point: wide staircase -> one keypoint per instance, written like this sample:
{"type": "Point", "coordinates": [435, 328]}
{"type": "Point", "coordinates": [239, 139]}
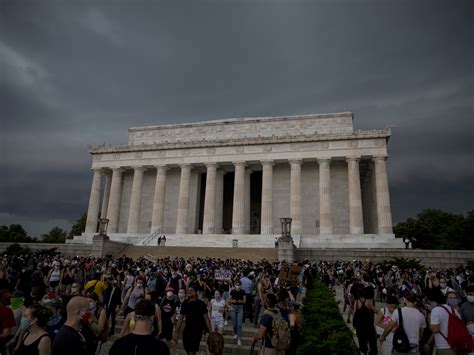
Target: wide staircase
{"type": "Point", "coordinates": [136, 251]}
{"type": "Point", "coordinates": [230, 345]}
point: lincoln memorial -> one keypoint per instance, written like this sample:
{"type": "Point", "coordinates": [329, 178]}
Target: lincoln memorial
{"type": "Point", "coordinates": [228, 182]}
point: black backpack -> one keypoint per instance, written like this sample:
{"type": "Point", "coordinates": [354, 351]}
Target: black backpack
{"type": "Point", "coordinates": [400, 340]}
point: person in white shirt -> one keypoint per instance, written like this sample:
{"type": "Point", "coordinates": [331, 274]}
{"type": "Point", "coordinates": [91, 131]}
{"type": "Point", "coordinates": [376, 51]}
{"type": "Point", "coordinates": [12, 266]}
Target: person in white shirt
{"type": "Point", "coordinates": [413, 323]}
{"type": "Point", "coordinates": [439, 322]}
{"type": "Point", "coordinates": [383, 319]}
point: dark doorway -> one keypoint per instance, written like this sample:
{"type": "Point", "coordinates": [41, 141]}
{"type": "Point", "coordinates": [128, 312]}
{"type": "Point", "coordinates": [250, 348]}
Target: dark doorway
{"type": "Point", "coordinates": [228, 202]}
{"type": "Point", "coordinates": [202, 195]}
{"type": "Point", "coordinates": [255, 201]}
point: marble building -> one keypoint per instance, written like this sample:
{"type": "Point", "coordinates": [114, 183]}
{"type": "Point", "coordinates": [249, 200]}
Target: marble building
{"type": "Point", "coordinates": [227, 182]}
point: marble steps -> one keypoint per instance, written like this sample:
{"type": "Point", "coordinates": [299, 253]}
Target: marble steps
{"type": "Point", "coordinates": [135, 251]}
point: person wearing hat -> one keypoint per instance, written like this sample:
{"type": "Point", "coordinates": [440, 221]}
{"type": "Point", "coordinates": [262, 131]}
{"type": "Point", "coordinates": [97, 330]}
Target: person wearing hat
{"type": "Point", "coordinates": [165, 313]}
{"type": "Point", "coordinates": [140, 341]}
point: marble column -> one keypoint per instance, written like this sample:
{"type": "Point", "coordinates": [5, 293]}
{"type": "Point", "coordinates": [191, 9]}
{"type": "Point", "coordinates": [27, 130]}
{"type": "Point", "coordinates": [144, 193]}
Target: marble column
{"type": "Point", "coordinates": [183, 200]}
{"type": "Point", "coordinates": [356, 221]}
{"type": "Point", "coordinates": [238, 209]}
{"type": "Point", "coordinates": [219, 200]}
{"type": "Point", "coordinates": [94, 200]}
{"type": "Point", "coordinates": [105, 198]}
{"type": "Point", "coordinates": [295, 197]}
{"type": "Point", "coordinates": [157, 218]}
{"type": "Point", "coordinates": [209, 219]}
{"type": "Point", "coordinates": [135, 200]}
{"type": "Point", "coordinates": [325, 209]}
{"type": "Point", "coordinates": [267, 198]}
{"type": "Point", "coordinates": [384, 214]}
{"type": "Point", "coordinates": [247, 220]}
{"type": "Point", "coordinates": [113, 210]}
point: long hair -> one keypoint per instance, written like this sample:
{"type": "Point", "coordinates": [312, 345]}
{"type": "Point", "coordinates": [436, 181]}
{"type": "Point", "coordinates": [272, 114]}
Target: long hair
{"type": "Point", "coordinates": [215, 343]}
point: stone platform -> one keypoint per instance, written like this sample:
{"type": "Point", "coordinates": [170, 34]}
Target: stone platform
{"type": "Point", "coordinates": [340, 241]}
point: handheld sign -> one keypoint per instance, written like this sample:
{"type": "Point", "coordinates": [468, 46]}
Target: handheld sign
{"type": "Point", "coordinates": [289, 275]}
{"type": "Point", "coordinates": [222, 274]}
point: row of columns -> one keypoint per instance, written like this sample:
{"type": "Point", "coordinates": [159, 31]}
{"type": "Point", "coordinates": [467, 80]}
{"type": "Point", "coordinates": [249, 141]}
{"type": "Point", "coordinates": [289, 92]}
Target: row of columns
{"type": "Point", "coordinates": [213, 201]}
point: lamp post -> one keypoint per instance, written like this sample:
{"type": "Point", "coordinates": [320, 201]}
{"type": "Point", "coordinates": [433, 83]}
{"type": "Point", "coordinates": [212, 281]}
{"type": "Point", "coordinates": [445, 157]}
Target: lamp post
{"type": "Point", "coordinates": [286, 229]}
{"type": "Point", "coordinates": [103, 223]}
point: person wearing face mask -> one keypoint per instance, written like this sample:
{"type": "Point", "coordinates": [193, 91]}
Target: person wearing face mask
{"type": "Point", "coordinates": [237, 300]}
{"type": "Point", "coordinates": [36, 340]}
{"type": "Point", "coordinates": [140, 341]}
{"type": "Point", "coordinates": [112, 301]}
{"type": "Point", "coordinates": [132, 294]}
{"type": "Point", "coordinates": [439, 322]}
{"type": "Point", "coordinates": [217, 307]}
{"type": "Point", "coordinates": [94, 326]}
{"type": "Point", "coordinates": [165, 313]}
{"type": "Point", "coordinates": [69, 339]}
{"type": "Point", "coordinates": [195, 318]}
{"type": "Point", "coordinates": [383, 319]}
{"type": "Point", "coordinates": [443, 284]}
{"type": "Point", "coordinates": [467, 309]}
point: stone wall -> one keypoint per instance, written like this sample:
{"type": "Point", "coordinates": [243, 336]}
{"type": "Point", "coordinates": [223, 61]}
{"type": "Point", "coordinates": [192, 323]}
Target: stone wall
{"type": "Point", "coordinates": [433, 258]}
{"type": "Point", "coordinates": [66, 249]}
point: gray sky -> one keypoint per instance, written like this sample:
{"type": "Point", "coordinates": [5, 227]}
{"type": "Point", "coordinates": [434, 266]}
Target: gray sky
{"type": "Point", "coordinates": [78, 73]}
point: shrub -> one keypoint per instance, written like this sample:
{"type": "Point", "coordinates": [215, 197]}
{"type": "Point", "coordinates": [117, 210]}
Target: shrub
{"type": "Point", "coordinates": [405, 263]}
{"type": "Point", "coordinates": [16, 250]}
{"type": "Point", "coordinates": [324, 330]}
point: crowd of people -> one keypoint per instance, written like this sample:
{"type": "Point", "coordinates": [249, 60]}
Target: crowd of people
{"type": "Point", "coordinates": [58, 305]}
{"type": "Point", "coordinates": [433, 307]}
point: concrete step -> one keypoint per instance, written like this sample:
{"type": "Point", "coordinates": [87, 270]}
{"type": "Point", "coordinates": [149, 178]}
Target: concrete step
{"type": "Point", "coordinates": [135, 251]}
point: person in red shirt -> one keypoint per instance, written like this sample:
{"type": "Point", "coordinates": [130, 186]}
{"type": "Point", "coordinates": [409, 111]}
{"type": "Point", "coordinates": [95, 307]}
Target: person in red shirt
{"type": "Point", "coordinates": [7, 320]}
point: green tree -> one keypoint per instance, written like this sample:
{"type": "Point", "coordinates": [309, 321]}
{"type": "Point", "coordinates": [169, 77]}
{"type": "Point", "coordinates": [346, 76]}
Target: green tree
{"type": "Point", "coordinates": [14, 234]}
{"type": "Point", "coordinates": [435, 229]}
{"type": "Point", "coordinates": [78, 227]}
{"type": "Point", "coordinates": [55, 235]}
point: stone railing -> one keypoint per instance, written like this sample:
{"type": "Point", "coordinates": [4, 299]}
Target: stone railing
{"type": "Point", "coordinates": [435, 258]}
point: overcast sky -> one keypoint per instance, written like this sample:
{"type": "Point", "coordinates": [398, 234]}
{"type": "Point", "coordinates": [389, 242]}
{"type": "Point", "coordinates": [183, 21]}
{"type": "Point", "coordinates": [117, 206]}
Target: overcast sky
{"type": "Point", "coordinates": [78, 73]}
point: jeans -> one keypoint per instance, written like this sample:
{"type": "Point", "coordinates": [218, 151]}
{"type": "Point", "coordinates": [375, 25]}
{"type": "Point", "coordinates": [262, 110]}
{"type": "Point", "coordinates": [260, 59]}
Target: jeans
{"type": "Point", "coordinates": [237, 319]}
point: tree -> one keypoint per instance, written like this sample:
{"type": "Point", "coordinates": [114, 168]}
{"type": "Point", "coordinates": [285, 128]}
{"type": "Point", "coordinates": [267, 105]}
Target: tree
{"type": "Point", "coordinates": [436, 229]}
{"type": "Point", "coordinates": [55, 235]}
{"type": "Point", "coordinates": [14, 234]}
{"type": "Point", "coordinates": [78, 227]}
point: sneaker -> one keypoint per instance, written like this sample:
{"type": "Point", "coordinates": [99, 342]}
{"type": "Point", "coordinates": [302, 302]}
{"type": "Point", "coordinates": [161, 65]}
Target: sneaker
{"type": "Point", "coordinates": [235, 337]}
{"type": "Point", "coordinates": [239, 342]}
{"type": "Point", "coordinates": [225, 322]}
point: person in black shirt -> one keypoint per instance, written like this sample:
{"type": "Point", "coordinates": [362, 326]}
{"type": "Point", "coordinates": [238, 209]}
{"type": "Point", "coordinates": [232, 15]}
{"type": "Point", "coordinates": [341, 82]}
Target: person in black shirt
{"type": "Point", "coordinates": [195, 317]}
{"type": "Point", "coordinates": [166, 313]}
{"type": "Point", "coordinates": [111, 299]}
{"type": "Point", "coordinates": [140, 341]}
{"type": "Point", "coordinates": [237, 300]}
{"type": "Point", "coordinates": [69, 339]}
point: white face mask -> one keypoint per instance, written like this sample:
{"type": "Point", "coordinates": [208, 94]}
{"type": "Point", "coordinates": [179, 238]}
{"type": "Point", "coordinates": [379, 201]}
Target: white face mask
{"type": "Point", "coordinates": [470, 299]}
{"type": "Point", "coordinates": [237, 288]}
{"type": "Point", "coordinates": [169, 294]}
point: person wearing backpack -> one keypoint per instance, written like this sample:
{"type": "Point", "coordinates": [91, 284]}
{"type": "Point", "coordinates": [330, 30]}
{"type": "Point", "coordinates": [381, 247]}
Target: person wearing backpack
{"type": "Point", "coordinates": [412, 322]}
{"type": "Point", "coordinates": [451, 334]}
{"type": "Point", "coordinates": [274, 329]}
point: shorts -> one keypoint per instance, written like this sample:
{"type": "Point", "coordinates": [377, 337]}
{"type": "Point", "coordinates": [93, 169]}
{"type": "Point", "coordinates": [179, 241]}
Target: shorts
{"type": "Point", "coordinates": [217, 320]}
{"type": "Point", "coordinates": [53, 283]}
{"type": "Point", "coordinates": [191, 340]}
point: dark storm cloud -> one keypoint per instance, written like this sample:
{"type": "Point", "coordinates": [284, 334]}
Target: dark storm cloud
{"type": "Point", "coordinates": [79, 73]}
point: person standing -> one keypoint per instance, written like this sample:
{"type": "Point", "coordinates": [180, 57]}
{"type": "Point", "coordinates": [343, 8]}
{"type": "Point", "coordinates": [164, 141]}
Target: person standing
{"type": "Point", "coordinates": [413, 323]}
{"type": "Point", "coordinates": [237, 300]}
{"type": "Point", "coordinates": [7, 320]}
{"type": "Point", "coordinates": [69, 339]}
{"type": "Point", "coordinates": [195, 318]}
{"type": "Point", "coordinates": [36, 340]}
{"type": "Point", "coordinates": [165, 313]}
{"type": "Point", "coordinates": [217, 307]}
{"type": "Point", "coordinates": [111, 301]}
{"type": "Point", "coordinates": [247, 286]}
{"type": "Point", "coordinates": [439, 320]}
{"type": "Point", "coordinates": [383, 319]}
{"type": "Point", "coordinates": [140, 341]}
